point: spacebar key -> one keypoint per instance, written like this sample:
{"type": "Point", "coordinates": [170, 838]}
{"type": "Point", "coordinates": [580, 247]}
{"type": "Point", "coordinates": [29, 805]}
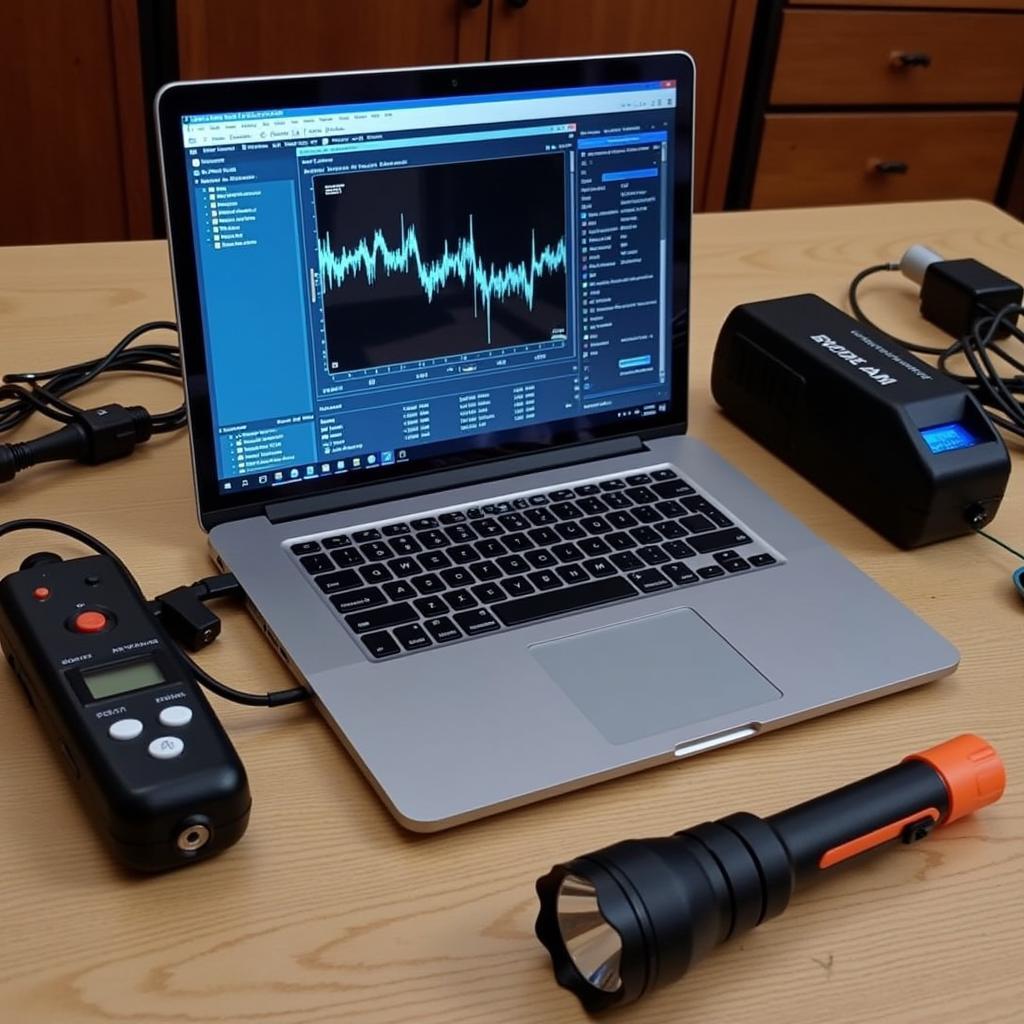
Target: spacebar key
{"type": "Point", "coordinates": [567, 599]}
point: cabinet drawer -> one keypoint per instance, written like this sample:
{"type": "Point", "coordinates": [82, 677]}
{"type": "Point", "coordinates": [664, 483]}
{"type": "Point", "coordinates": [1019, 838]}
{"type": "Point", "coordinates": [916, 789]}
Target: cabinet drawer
{"type": "Point", "coordinates": [830, 58]}
{"type": "Point", "coordinates": [821, 159]}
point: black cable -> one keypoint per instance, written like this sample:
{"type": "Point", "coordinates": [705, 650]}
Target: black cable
{"type": "Point", "coordinates": [272, 699]}
{"type": "Point", "coordinates": [1002, 544]}
{"type": "Point", "coordinates": [43, 390]}
{"type": "Point", "coordinates": [859, 313]}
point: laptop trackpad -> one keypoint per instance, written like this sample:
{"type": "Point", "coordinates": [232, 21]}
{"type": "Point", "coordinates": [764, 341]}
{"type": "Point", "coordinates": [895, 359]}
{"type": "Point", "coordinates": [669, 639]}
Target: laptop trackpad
{"type": "Point", "coordinates": [653, 674]}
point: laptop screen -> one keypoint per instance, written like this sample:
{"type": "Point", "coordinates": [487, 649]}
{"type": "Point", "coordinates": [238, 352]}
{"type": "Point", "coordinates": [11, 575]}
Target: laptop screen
{"type": "Point", "coordinates": [382, 283]}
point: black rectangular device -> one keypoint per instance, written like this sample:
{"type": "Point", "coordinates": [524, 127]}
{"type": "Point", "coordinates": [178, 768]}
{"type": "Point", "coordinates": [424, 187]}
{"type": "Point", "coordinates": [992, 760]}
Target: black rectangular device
{"type": "Point", "coordinates": [907, 449]}
{"type": "Point", "coordinates": [159, 778]}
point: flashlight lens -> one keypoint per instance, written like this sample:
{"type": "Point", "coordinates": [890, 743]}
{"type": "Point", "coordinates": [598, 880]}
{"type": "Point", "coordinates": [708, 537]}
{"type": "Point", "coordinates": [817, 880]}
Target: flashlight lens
{"type": "Point", "coordinates": [593, 944]}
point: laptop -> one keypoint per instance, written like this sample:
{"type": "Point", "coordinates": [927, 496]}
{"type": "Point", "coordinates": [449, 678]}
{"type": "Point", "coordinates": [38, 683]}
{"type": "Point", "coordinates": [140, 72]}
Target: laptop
{"type": "Point", "coordinates": [434, 328]}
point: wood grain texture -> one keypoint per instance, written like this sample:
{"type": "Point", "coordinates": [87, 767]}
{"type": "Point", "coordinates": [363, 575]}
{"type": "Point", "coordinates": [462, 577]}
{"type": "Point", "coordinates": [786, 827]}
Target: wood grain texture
{"type": "Point", "coordinates": [326, 912]}
{"type": "Point", "coordinates": [973, 5]}
{"type": "Point", "coordinates": [829, 58]}
{"type": "Point", "coordinates": [566, 28]}
{"type": "Point", "coordinates": [811, 159]}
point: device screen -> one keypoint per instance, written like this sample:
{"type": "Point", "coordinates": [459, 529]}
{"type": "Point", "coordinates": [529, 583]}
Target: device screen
{"type": "Point", "coordinates": [117, 679]}
{"type": "Point", "coordinates": [948, 437]}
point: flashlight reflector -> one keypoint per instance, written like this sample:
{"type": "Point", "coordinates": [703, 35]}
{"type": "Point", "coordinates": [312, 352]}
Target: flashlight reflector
{"type": "Point", "coordinates": [593, 945]}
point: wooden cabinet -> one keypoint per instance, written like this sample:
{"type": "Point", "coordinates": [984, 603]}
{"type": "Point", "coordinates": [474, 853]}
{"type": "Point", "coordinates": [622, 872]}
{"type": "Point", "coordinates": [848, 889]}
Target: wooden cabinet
{"type": "Point", "coordinates": [872, 101]}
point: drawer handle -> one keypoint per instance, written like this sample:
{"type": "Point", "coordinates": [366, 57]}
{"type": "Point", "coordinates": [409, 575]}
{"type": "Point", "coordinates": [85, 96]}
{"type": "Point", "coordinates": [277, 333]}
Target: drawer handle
{"type": "Point", "coordinates": [888, 166]}
{"type": "Point", "coordinates": [900, 59]}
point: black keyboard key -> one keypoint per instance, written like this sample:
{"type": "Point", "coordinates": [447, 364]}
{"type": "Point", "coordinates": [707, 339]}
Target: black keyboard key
{"type": "Point", "coordinates": [670, 529]}
{"type": "Point", "coordinates": [594, 546]}
{"type": "Point", "coordinates": [652, 555]}
{"type": "Point", "coordinates": [585, 489]}
{"type": "Point", "coordinates": [488, 527]}
{"type": "Point", "coordinates": [497, 508]}
{"type": "Point", "coordinates": [705, 543]}
{"type": "Point", "coordinates": [380, 645]}
{"type": "Point", "coordinates": [442, 629]}
{"type": "Point", "coordinates": [540, 516]}
{"type": "Point", "coordinates": [375, 573]}
{"type": "Point", "coordinates": [563, 495]}
{"type": "Point", "coordinates": [620, 541]}
{"type": "Point", "coordinates": [474, 513]}
{"type": "Point", "coordinates": [491, 548]}
{"type": "Point", "coordinates": [567, 552]}
{"type": "Point", "coordinates": [450, 518]}
{"type": "Point", "coordinates": [735, 565]}
{"type": "Point", "coordinates": [403, 567]}
{"type": "Point", "coordinates": [641, 495]}
{"type": "Point", "coordinates": [463, 554]}
{"type": "Point", "coordinates": [364, 536]}
{"type": "Point", "coordinates": [710, 572]}
{"type": "Point", "coordinates": [460, 533]}
{"type": "Point", "coordinates": [460, 600]}
{"type": "Point", "coordinates": [572, 573]}
{"type": "Point", "coordinates": [458, 577]}
{"type": "Point", "coordinates": [434, 560]}
{"type": "Point", "coordinates": [544, 536]}
{"type": "Point", "coordinates": [377, 552]}
{"type": "Point", "coordinates": [381, 618]}
{"type": "Point", "coordinates": [346, 557]}
{"type": "Point", "coordinates": [428, 583]}
{"type": "Point", "coordinates": [611, 485]}
{"type": "Point", "coordinates": [336, 582]}
{"type": "Point", "coordinates": [541, 559]}
{"type": "Point", "coordinates": [340, 541]}
{"type": "Point", "coordinates": [519, 504]}
{"type": "Point", "coordinates": [480, 620]}
{"type": "Point", "coordinates": [762, 559]}
{"type": "Point", "coordinates": [638, 479]}
{"type": "Point", "coordinates": [620, 520]}
{"type": "Point", "coordinates": [488, 593]}
{"type": "Point", "coordinates": [431, 606]}
{"type": "Point", "coordinates": [514, 521]}
{"type": "Point", "coordinates": [412, 637]}
{"type": "Point", "coordinates": [671, 509]}
{"type": "Point", "coordinates": [517, 586]}
{"type": "Point", "coordinates": [567, 599]}
{"type": "Point", "coordinates": [671, 488]}
{"type": "Point", "coordinates": [626, 561]}
{"type": "Point", "coordinates": [316, 563]}
{"type": "Point", "coordinates": [721, 557]}
{"type": "Point", "coordinates": [399, 590]}
{"type": "Point", "coordinates": [517, 542]}
{"type": "Point", "coordinates": [485, 571]}
{"type": "Point", "coordinates": [599, 567]}
{"type": "Point", "coordinates": [696, 524]}
{"type": "Point", "coordinates": [566, 510]}
{"type": "Point", "coordinates": [354, 600]}
{"type": "Point", "coordinates": [646, 514]}
{"type": "Point", "coordinates": [703, 506]}
{"type": "Point", "coordinates": [570, 531]}
{"type": "Point", "coordinates": [405, 546]}
{"type": "Point", "coordinates": [617, 500]}
{"type": "Point", "coordinates": [591, 506]}
{"type": "Point", "coordinates": [649, 580]}
{"type": "Point", "coordinates": [395, 529]}
{"type": "Point", "coordinates": [679, 573]}
{"type": "Point", "coordinates": [544, 580]}
{"type": "Point", "coordinates": [538, 499]}
{"type": "Point", "coordinates": [427, 523]}
{"type": "Point", "coordinates": [306, 547]}
{"type": "Point", "coordinates": [432, 539]}
{"type": "Point", "coordinates": [645, 535]}
{"type": "Point", "coordinates": [679, 549]}
{"type": "Point", "coordinates": [665, 474]}
{"type": "Point", "coordinates": [596, 525]}
{"type": "Point", "coordinates": [513, 565]}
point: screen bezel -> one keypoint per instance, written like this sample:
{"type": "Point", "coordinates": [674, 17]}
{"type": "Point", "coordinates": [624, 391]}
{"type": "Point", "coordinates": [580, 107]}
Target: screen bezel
{"type": "Point", "coordinates": [190, 98]}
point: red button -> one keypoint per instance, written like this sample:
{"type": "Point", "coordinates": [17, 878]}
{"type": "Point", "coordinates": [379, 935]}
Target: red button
{"type": "Point", "coordinates": [41, 593]}
{"type": "Point", "coordinates": [89, 622]}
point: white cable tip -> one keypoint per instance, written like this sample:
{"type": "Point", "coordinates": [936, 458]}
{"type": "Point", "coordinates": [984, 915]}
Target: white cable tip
{"type": "Point", "coordinates": [916, 260]}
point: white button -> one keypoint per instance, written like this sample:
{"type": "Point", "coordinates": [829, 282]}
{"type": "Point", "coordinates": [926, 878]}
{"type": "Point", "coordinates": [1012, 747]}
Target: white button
{"type": "Point", "coordinates": [125, 729]}
{"type": "Point", "coordinates": [176, 714]}
{"type": "Point", "coordinates": [163, 748]}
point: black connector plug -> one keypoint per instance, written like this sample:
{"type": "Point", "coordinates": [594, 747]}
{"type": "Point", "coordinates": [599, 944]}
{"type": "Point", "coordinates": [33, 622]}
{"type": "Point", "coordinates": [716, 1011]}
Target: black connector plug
{"type": "Point", "coordinates": [95, 436]}
{"type": "Point", "coordinates": [183, 612]}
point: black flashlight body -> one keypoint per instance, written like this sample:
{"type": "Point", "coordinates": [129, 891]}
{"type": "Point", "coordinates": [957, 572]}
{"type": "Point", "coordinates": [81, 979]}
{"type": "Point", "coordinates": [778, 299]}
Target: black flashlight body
{"type": "Point", "coordinates": [671, 900]}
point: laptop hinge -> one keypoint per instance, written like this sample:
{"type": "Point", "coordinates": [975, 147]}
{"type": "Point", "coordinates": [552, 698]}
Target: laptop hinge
{"type": "Point", "coordinates": [391, 490]}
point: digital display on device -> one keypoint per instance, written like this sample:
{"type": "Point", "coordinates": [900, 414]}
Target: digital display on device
{"type": "Point", "coordinates": [948, 437]}
{"type": "Point", "coordinates": [385, 283]}
{"type": "Point", "coordinates": [118, 679]}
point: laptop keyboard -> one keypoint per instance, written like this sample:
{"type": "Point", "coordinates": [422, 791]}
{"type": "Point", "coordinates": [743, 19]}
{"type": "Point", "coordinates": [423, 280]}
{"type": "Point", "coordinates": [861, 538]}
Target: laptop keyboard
{"type": "Point", "coordinates": [411, 584]}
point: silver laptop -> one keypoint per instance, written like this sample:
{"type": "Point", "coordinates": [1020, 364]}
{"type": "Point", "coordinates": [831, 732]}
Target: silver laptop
{"type": "Point", "coordinates": [434, 325]}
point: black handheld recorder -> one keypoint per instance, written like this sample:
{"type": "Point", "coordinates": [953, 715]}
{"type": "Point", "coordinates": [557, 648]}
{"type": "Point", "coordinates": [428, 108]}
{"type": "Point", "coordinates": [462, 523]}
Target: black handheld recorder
{"type": "Point", "coordinates": [158, 775]}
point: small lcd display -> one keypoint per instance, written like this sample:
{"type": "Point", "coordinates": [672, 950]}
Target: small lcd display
{"type": "Point", "coordinates": [117, 679]}
{"type": "Point", "coordinates": [948, 437]}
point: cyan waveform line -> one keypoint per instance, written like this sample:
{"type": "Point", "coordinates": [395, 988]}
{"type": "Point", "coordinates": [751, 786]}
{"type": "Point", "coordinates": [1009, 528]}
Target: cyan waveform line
{"type": "Point", "coordinates": [489, 282]}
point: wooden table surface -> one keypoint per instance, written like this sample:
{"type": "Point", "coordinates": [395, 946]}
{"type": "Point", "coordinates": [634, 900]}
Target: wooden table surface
{"type": "Point", "coordinates": [327, 912]}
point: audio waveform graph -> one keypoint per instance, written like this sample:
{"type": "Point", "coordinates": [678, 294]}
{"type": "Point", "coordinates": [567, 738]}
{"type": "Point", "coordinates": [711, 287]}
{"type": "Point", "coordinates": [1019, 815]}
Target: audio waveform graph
{"type": "Point", "coordinates": [489, 282]}
{"type": "Point", "coordinates": [443, 260]}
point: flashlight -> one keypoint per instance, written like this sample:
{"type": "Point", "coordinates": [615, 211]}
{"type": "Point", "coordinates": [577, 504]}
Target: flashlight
{"type": "Point", "coordinates": [627, 919]}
